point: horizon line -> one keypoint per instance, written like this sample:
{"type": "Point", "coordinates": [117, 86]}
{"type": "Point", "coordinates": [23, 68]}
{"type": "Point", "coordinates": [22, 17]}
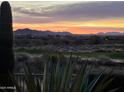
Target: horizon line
{"type": "Point", "coordinates": [70, 32]}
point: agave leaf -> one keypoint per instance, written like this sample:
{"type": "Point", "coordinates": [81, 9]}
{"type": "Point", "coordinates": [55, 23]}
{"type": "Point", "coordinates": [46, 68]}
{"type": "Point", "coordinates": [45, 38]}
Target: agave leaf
{"type": "Point", "coordinates": [57, 75]}
{"type": "Point", "coordinates": [46, 76]}
{"type": "Point", "coordinates": [85, 85]}
{"type": "Point", "coordinates": [18, 88]}
{"type": "Point", "coordinates": [30, 83]}
{"type": "Point", "coordinates": [12, 78]}
{"type": "Point", "coordinates": [114, 90]}
{"type": "Point", "coordinates": [104, 83]}
{"type": "Point", "coordinates": [52, 73]}
{"type": "Point", "coordinates": [62, 68]}
{"type": "Point", "coordinates": [94, 82]}
{"type": "Point", "coordinates": [70, 72]}
{"type": "Point", "coordinates": [79, 79]}
{"type": "Point", "coordinates": [86, 79]}
{"type": "Point", "coordinates": [38, 86]}
{"type": "Point", "coordinates": [65, 75]}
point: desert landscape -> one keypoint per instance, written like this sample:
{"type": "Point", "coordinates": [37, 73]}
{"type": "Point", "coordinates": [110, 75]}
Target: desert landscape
{"type": "Point", "coordinates": [61, 47]}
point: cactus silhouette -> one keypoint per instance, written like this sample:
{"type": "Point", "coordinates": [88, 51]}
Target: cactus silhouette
{"type": "Point", "coordinates": [6, 44]}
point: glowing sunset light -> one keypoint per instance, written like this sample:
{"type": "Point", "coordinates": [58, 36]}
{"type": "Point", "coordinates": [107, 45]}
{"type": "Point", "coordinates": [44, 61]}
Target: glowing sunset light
{"type": "Point", "coordinates": [76, 17]}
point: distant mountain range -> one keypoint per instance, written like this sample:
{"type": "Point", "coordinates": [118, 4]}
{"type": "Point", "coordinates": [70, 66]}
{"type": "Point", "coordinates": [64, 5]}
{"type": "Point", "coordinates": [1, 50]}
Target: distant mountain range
{"type": "Point", "coordinates": [111, 33]}
{"type": "Point", "coordinates": [27, 31]}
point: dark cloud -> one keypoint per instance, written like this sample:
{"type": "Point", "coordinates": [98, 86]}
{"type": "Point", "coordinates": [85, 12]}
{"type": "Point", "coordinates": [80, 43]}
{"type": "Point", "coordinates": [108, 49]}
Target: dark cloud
{"type": "Point", "coordinates": [33, 20]}
{"type": "Point", "coordinates": [91, 10]}
{"type": "Point", "coordinates": [77, 12]}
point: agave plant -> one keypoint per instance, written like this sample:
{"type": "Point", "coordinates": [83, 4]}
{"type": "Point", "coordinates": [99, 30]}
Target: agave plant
{"type": "Point", "coordinates": [60, 76]}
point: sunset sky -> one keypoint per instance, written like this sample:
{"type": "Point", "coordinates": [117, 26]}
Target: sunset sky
{"type": "Point", "coordinates": [76, 17]}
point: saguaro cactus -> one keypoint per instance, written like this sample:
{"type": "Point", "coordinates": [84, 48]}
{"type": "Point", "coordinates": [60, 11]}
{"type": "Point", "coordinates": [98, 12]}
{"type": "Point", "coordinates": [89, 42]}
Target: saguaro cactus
{"type": "Point", "coordinates": [6, 44]}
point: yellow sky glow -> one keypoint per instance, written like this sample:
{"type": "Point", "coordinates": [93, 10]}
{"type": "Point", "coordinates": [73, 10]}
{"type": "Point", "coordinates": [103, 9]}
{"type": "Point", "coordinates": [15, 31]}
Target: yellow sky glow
{"type": "Point", "coordinates": [78, 27]}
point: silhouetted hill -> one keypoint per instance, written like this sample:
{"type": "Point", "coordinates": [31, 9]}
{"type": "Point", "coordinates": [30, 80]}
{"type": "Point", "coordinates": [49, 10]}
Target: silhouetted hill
{"type": "Point", "coordinates": [27, 31]}
{"type": "Point", "coordinates": [111, 33]}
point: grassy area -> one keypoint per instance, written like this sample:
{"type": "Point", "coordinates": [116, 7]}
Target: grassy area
{"type": "Point", "coordinates": [31, 51]}
{"type": "Point", "coordinates": [98, 55]}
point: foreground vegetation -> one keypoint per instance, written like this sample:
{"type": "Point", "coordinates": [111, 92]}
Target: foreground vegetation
{"type": "Point", "coordinates": [62, 74]}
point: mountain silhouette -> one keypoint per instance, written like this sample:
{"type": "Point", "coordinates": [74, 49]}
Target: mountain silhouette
{"type": "Point", "coordinates": [110, 33]}
{"type": "Point", "coordinates": [28, 31]}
